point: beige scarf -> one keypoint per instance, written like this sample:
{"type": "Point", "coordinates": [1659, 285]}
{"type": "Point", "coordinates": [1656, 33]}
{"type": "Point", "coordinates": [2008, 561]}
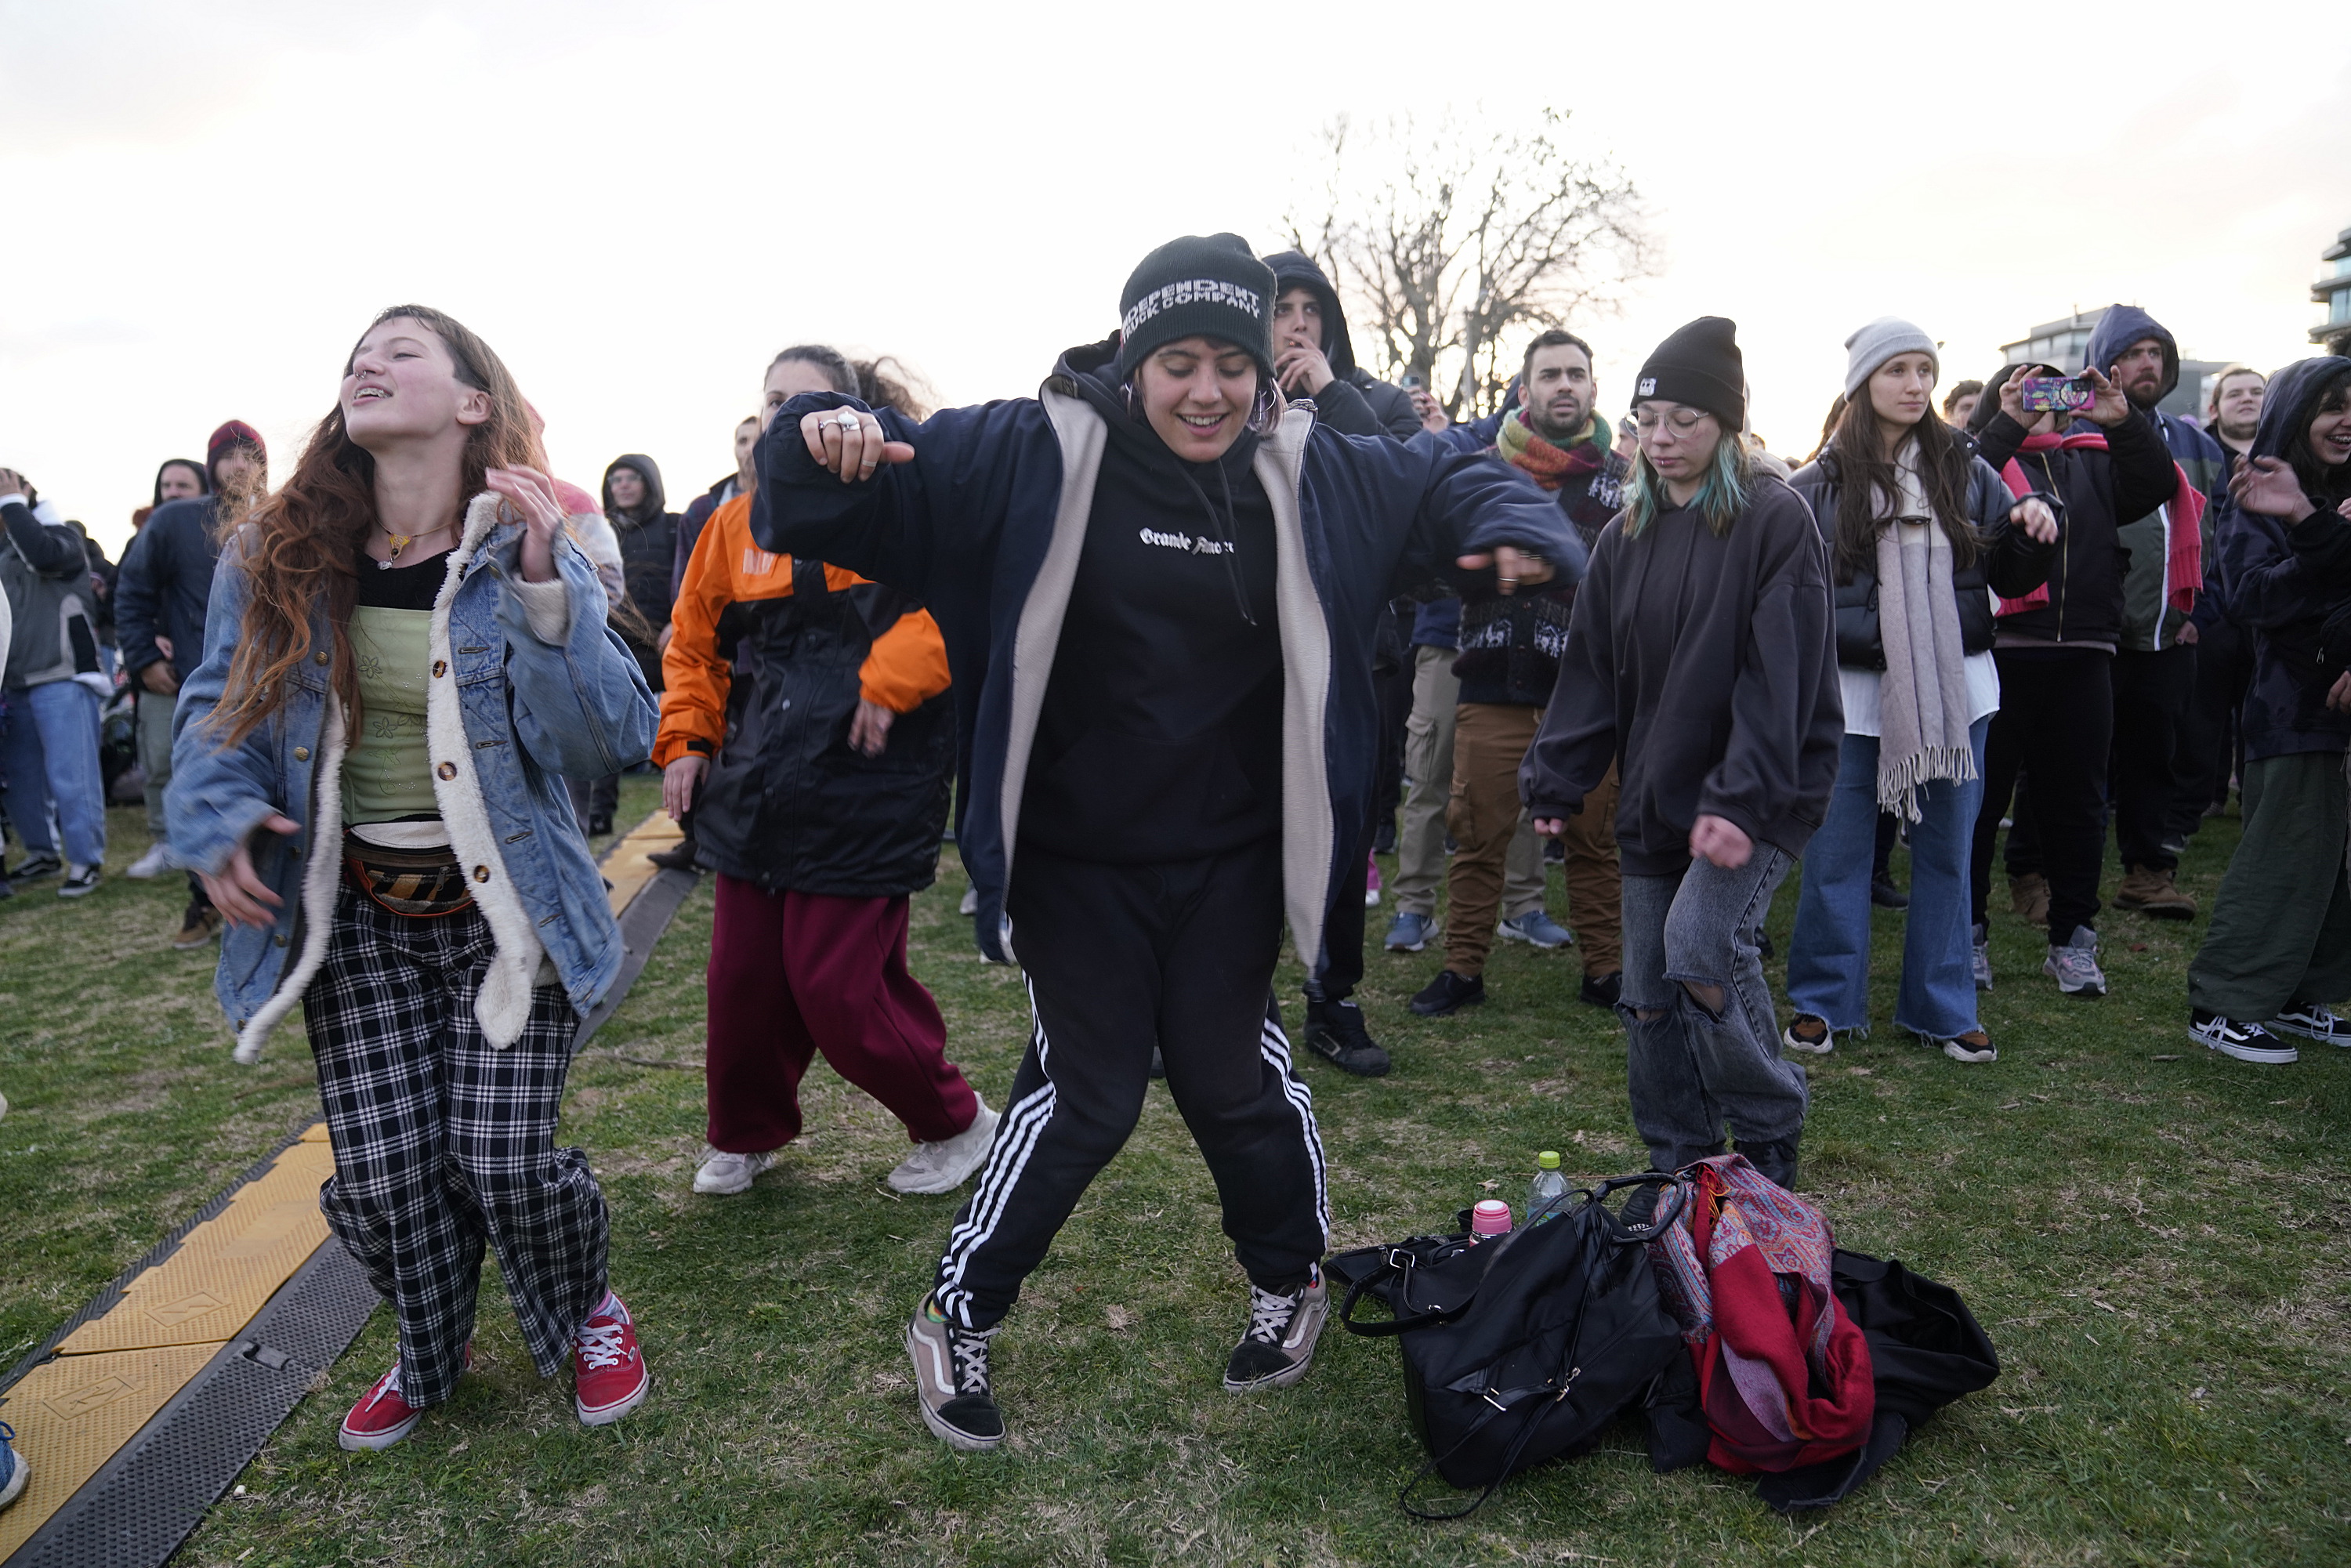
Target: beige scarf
{"type": "Point", "coordinates": [1922, 699]}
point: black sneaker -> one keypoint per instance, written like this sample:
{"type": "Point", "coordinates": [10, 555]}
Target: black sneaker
{"type": "Point", "coordinates": [951, 1384]}
{"type": "Point", "coordinates": [79, 881]}
{"type": "Point", "coordinates": [1603, 991]}
{"type": "Point", "coordinates": [1448, 994]}
{"type": "Point", "coordinates": [32, 868]}
{"type": "Point", "coordinates": [1554, 853]}
{"type": "Point", "coordinates": [2245, 1041]}
{"type": "Point", "coordinates": [1885, 896]}
{"type": "Point", "coordinates": [1383, 838]}
{"type": "Point", "coordinates": [598, 826]}
{"type": "Point", "coordinates": [1335, 1032]}
{"type": "Point", "coordinates": [1279, 1345]}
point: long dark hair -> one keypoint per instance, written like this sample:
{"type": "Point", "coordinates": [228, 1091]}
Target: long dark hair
{"type": "Point", "coordinates": [304, 545]}
{"type": "Point", "coordinates": [1864, 473]}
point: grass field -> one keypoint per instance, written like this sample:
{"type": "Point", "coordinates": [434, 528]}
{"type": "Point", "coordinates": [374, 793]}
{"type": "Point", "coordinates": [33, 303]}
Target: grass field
{"type": "Point", "coordinates": [2146, 1232]}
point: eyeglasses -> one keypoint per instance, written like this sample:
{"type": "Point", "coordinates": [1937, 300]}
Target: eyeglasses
{"type": "Point", "coordinates": [1682, 421]}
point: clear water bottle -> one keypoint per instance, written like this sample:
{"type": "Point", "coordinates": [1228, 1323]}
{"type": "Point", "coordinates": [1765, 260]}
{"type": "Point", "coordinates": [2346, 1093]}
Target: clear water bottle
{"type": "Point", "coordinates": [1548, 1185]}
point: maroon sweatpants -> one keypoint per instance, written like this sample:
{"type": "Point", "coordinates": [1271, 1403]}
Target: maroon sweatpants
{"type": "Point", "coordinates": [796, 973]}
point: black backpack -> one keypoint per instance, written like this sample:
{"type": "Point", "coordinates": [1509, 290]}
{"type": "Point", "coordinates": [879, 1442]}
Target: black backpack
{"type": "Point", "coordinates": [1524, 1348]}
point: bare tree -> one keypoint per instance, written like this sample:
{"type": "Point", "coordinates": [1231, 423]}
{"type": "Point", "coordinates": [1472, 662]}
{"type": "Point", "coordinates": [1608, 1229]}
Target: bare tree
{"type": "Point", "coordinates": [1446, 238]}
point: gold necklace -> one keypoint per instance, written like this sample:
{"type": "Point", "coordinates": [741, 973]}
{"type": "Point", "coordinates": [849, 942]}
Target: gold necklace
{"type": "Point", "coordinates": [401, 541]}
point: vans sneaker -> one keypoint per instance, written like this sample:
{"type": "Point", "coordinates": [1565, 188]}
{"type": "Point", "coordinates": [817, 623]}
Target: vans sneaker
{"type": "Point", "coordinates": [383, 1417]}
{"type": "Point", "coordinates": [723, 1174]}
{"type": "Point", "coordinates": [34, 867]}
{"type": "Point", "coordinates": [942, 1166]}
{"type": "Point", "coordinates": [1809, 1035]}
{"type": "Point", "coordinates": [80, 880]}
{"type": "Point", "coordinates": [2311, 1022]}
{"type": "Point", "coordinates": [951, 1382]}
{"type": "Point", "coordinates": [1982, 941]}
{"type": "Point", "coordinates": [2075, 965]}
{"type": "Point", "coordinates": [2245, 1041]}
{"type": "Point", "coordinates": [1535, 926]}
{"type": "Point", "coordinates": [607, 1367]}
{"type": "Point", "coordinates": [1279, 1345]}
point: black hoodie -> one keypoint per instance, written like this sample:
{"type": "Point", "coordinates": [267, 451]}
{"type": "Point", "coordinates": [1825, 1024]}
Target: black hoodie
{"type": "Point", "coordinates": [1160, 733]}
{"type": "Point", "coordinates": [648, 536]}
{"type": "Point", "coordinates": [1356, 402]}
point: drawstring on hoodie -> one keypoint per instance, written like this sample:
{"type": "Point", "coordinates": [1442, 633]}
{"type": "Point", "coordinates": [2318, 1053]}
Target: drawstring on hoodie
{"type": "Point", "coordinates": [1223, 529]}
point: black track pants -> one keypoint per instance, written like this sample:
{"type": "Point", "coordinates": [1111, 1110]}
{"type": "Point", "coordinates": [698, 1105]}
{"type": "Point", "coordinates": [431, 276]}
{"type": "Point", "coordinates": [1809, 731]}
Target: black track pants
{"type": "Point", "coordinates": [2056, 721]}
{"type": "Point", "coordinates": [1119, 958]}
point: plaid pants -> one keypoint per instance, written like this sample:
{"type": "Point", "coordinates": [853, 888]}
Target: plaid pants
{"type": "Point", "coordinates": [444, 1145]}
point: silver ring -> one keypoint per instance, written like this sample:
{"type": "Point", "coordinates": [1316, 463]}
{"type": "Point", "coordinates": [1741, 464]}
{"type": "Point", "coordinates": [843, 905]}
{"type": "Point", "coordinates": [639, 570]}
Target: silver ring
{"type": "Point", "coordinates": [847, 421]}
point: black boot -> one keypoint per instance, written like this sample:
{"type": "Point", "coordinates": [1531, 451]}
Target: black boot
{"type": "Point", "coordinates": [678, 859]}
{"type": "Point", "coordinates": [1776, 1159]}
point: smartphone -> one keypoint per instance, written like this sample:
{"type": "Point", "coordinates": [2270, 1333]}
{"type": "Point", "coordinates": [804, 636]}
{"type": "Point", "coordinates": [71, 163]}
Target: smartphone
{"type": "Point", "coordinates": [1412, 381]}
{"type": "Point", "coordinates": [2060, 394]}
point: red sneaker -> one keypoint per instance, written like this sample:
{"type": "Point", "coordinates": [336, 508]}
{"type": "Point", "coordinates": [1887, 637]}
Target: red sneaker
{"type": "Point", "coordinates": [382, 1418]}
{"type": "Point", "coordinates": [607, 1364]}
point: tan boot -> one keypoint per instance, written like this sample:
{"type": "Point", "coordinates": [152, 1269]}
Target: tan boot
{"type": "Point", "coordinates": [2028, 898]}
{"type": "Point", "coordinates": [2151, 891]}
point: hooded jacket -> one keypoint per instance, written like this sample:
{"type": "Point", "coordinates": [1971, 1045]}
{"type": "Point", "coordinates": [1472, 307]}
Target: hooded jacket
{"type": "Point", "coordinates": [44, 571]}
{"type": "Point", "coordinates": [985, 527]}
{"type": "Point", "coordinates": [789, 803]}
{"type": "Point", "coordinates": [2149, 621]}
{"type": "Point", "coordinates": [648, 540]}
{"type": "Point", "coordinates": [2131, 478]}
{"type": "Point", "coordinates": [165, 583]}
{"type": "Point", "coordinates": [1356, 403]}
{"type": "Point", "coordinates": [2281, 581]}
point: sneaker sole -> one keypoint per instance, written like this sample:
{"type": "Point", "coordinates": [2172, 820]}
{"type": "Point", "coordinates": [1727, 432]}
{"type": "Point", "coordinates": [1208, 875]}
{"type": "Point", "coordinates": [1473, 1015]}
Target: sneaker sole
{"type": "Point", "coordinates": [953, 1437]}
{"type": "Point", "coordinates": [1507, 935]}
{"type": "Point", "coordinates": [1826, 1045]}
{"type": "Point", "coordinates": [1321, 1055]}
{"type": "Point", "coordinates": [1444, 1012]}
{"type": "Point", "coordinates": [375, 1442]}
{"type": "Point", "coordinates": [179, 946]}
{"type": "Point", "coordinates": [77, 892]}
{"type": "Point", "coordinates": [949, 1180]}
{"type": "Point", "coordinates": [2089, 989]}
{"type": "Point", "coordinates": [607, 1414]}
{"type": "Point", "coordinates": [2284, 1056]}
{"type": "Point", "coordinates": [2341, 1038]}
{"type": "Point", "coordinates": [732, 1190]}
{"type": "Point", "coordinates": [1282, 1379]}
{"type": "Point", "coordinates": [1959, 1052]}
{"type": "Point", "coordinates": [17, 1480]}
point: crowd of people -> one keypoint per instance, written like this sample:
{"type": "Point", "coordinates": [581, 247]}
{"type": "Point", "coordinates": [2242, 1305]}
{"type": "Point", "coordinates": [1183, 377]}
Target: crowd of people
{"type": "Point", "coordinates": [1189, 637]}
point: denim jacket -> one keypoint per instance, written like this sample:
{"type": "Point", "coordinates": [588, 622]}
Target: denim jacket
{"type": "Point", "coordinates": [510, 713]}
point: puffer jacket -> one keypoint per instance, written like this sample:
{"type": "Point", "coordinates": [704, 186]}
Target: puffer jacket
{"type": "Point", "coordinates": [2011, 562]}
{"type": "Point", "coordinates": [509, 715]}
{"type": "Point", "coordinates": [46, 573]}
{"type": "Point", "coordinates": [789, 803]}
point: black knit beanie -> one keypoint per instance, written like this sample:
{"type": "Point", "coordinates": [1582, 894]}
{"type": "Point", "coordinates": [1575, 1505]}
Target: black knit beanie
{"type": "Point", "coordinates": [1700, 365]}
{"type": "Point", "coordinates": [1211, 287]}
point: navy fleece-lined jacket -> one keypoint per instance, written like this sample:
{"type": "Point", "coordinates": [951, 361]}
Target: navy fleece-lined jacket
{"type": "Point", "coordinates": [984, 525]}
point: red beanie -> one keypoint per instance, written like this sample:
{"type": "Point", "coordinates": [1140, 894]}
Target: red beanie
{"type": "Point", "coordinates": [232, 434]}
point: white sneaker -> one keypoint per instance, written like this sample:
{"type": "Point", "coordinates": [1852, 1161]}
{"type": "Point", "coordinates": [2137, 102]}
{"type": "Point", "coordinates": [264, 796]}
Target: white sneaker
{"type": "Point", "coordinates": [151, 865]}
{"type": "Point", "coordinates": [943, 1166]}
{"type": "Point", "coordinates": [723, 1173]}
{"type": "Point", "coordinates": [971, 905]}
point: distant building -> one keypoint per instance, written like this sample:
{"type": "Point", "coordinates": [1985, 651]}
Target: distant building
{"type": "Point", "coordinates": [2332, 290]}
{"type": "Point", "coordinates": [2065, 343]}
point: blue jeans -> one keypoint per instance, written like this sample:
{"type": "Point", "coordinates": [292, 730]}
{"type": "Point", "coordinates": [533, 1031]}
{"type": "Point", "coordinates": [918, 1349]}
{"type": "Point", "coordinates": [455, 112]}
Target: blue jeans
{"type": "Point", "coordinates": [1828, 960]}
{"type": "Point", "coordinates": [50, 757]}
{"type": "Point", "coordinates": [1691, 1070]}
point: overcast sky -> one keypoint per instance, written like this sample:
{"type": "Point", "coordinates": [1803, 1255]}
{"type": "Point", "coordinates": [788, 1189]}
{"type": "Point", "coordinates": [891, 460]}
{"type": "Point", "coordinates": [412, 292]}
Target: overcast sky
{"type": "Point", "coordinates": [637, 204]}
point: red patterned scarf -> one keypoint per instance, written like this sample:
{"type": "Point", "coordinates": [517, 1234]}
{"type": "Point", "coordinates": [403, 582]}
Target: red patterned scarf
{"type": "Point", "coordinates": [2183, 525]}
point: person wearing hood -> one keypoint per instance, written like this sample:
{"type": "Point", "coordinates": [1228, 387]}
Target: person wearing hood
{"type": "Point", "coordinates": [1921, 533]}
{"type": "Point", "coordinates": [2055, 647]}
{"type": "Point", "coordinates": [1158, 586]}
{"type": "Point", "coordinates": [633, 505]}
{"type": "Point", "coordinates": [48, 752]}
{"type": "Point", "coordinates": [160, 596]}
{"type": "Point", "coordinates": [1508, 665]}
{"type": "Point", "coordinates": [1314, 358]}
{"type": "Point", "coordinates": [2164, 613]}
{"type": "Point", "coordinates": [2279, 947]}
{"type": "Point", "coordinates": [809, 736]}
{"type": "Point", "coordinates": [1700, 668]}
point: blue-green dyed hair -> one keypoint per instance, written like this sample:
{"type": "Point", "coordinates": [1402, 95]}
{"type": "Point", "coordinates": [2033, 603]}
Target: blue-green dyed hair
{"type": "Point", "coordinates": [1719, 498]}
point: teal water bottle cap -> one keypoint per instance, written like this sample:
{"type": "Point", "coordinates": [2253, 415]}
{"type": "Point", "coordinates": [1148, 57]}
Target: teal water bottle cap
{"type": "Point", "coordinates": [1548, 1160]}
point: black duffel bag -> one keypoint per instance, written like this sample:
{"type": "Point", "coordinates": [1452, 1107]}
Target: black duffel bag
{"type": "Point", "coordinates": [1524, 1348]}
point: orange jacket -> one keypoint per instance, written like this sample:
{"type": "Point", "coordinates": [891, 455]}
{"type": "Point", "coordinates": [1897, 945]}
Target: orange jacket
{"type": "Point", "coordinates": [906, 667]}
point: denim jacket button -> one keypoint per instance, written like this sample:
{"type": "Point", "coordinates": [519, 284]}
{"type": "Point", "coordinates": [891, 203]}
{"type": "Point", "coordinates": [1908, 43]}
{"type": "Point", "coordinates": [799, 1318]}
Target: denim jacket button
{"type": "Point", "coordinates": [279, 939]}
{"type": "Point", "coordinates": [301, 754]}
{"type": "Point", "coordinates": [448, 770]}
{"type": "Point", "coordinates": [320, 656]}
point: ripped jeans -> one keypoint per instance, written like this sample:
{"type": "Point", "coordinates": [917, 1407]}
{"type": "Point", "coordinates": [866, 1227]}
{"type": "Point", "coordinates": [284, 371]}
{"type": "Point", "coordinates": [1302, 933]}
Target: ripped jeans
{"type": "Point", "coordinates": [1692, 1070]}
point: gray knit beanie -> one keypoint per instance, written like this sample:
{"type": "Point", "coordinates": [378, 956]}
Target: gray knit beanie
{"type": "Point", "coordinates": [1879, 342]}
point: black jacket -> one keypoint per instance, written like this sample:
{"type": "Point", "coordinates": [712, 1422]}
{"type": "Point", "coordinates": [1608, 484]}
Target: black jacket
{"type": "Point", "coordinates": [648, 540]}
{"type": "Point", "coordinates": [2130, 478]}
{"type": "Point", "coordinates": [1356, 402]}
{"type": "Point", "coordinates": [2011, 563]}
{"type": "Point", "coordinates": [1705, 668]}
{"type": "Point", "coordinates": [789, 803]}
{"type": "Point", "coordinates": [164, 583]}
{"type": "Point", "coordinates": [1510, 646]}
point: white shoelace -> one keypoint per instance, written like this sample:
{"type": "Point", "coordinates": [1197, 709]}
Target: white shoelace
{"type": "Point", "coordinates": [1269, 1314]}
{"type": "Point", "coordinates": [391, 1387]}
{"type": "Point", "coordinates": [969, 1352]}
{"type": "Point", "coordinates": [600, 1344]}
